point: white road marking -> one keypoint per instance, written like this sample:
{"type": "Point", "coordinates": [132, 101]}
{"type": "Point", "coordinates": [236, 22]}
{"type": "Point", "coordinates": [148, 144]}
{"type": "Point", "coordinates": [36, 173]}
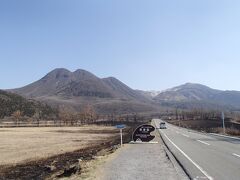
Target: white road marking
{"type": "Point", "coordinates": [198, 177]}
{"type": "Point", "coordinates": [177, 132]}
{"type": "Point", "coordinates": [185, 135]}
{"type": "Point", "coordinates": [195, 164]}
{"type": "Point", "coordinates": [203, 142]}
{"type": "Point", "coordinates": [236, 155]}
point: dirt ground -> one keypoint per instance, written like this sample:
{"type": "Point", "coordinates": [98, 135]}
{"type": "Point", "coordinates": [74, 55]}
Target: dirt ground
{"type": "Point", "coordinates": [18, 145]}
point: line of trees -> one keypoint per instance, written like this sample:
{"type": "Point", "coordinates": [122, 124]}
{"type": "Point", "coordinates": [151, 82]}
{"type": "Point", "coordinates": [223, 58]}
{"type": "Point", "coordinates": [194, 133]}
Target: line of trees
{"type": "Point", "coordinates": [69, 117]}
{"type": "Point", "coordinates": [202, 114]}
{"type": "Point", "coordinates": [197, 114]}
{"type": "Point", "coordinates": [89, 116]}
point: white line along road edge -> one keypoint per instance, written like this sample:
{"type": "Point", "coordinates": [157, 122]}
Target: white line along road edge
{"type": "Point", "coordinates": [203, 142]}
{"type": "Point", "coordinates": [185, 135]}
{"type": "Point", "coordinates": [236, 155]}
{"type": "Point", "coordinates": [195, 164]}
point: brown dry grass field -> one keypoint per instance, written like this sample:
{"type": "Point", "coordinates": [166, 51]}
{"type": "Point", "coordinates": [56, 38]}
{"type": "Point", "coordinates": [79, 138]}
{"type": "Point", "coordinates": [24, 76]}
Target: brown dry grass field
{"type": "Point", "coordinates": [20, 145]}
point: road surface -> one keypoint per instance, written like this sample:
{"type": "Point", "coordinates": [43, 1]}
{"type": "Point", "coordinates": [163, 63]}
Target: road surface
{"type": "Point", "coordinates": [204, 156]}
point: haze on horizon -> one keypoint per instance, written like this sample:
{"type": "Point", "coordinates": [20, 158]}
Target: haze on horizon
{"type": "Point", "coordinates": [147, 45]}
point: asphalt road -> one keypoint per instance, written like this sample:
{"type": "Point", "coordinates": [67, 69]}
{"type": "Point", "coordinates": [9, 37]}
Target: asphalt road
{"type": "Point", "coordinates": [204, 156]}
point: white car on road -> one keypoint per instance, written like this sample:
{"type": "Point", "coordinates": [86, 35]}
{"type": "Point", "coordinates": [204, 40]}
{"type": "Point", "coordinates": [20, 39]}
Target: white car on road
{"type": "Point", "coordinates": [163, 125]}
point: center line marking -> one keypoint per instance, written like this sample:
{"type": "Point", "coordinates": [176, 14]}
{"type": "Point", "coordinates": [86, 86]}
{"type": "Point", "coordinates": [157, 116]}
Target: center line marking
{"type": "Point", "coordinates": [195, 164]}
{"type": "Point", "coordinates": [203, 142]}
{"type": "Point", "coordinates": [236, 155]}
{"type": "Point", "coordinates": [185, 135]}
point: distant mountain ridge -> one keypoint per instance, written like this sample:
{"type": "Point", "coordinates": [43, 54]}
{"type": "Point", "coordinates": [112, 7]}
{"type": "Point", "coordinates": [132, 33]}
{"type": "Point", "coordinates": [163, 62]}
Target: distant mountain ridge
{"type": "Point", "coordinates": [198, 96]}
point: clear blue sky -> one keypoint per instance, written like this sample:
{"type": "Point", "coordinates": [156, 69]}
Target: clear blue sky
{"type": "Point", "coordinates": [155, 44]}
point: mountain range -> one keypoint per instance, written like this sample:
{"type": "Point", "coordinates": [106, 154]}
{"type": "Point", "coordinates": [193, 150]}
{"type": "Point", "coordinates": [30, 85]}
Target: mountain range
{"type": "Point", "coordinates": [80, 88]}
{"type": "Point", "coordinates": [77, 89]}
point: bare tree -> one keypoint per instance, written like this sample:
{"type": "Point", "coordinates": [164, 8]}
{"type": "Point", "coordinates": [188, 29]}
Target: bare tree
{"type": "Point", "coordinates": [89, 114]}
{"type": "Point", "coordinates": [17, 115]}
{"type": "Point", "coordinates": [37, 117]}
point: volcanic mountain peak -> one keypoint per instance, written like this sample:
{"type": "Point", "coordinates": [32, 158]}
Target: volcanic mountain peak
{"type": "Point", "coordinates": [62, 74]}
{"type": "Point", "coordinates": [57, 73]}
{"type": "Point", "coordinates": [83, 74]}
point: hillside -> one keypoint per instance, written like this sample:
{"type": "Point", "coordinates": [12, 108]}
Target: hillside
{"type": "Point", "coordinates": [10, 103]}
{"type": "Point", "coordinates": [80, 88]}
{"type": "Point", "coordinates": [123, 91]}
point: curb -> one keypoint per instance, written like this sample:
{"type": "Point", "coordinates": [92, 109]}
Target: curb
{"type": "Point", "coordinates": [181, 171]}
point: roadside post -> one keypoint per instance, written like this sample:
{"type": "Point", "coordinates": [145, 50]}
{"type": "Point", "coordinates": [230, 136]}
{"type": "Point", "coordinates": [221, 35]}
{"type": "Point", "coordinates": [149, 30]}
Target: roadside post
{"type": "Point", "coordinates": [223, 121]}
{"type": "Point", "coordinates": [121, 127]}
